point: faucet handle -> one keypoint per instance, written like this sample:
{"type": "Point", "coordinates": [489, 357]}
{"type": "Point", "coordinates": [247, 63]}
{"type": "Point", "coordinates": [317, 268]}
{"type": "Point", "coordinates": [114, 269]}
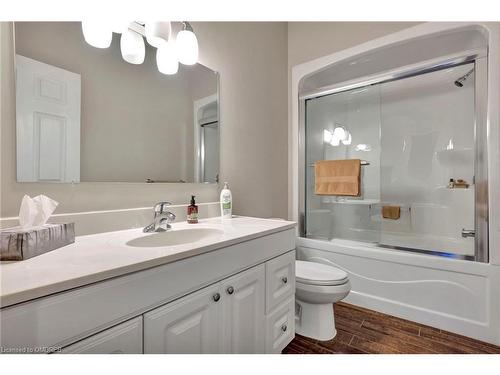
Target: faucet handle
{"type": "Point", "coordinates": [159, 207]}
{"type": "Point", "coordinates": [170, 216]}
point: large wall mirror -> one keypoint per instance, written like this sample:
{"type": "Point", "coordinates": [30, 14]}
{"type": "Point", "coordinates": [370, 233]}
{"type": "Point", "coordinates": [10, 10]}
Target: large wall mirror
{"type": "Point", "coordinates": [86, 115]}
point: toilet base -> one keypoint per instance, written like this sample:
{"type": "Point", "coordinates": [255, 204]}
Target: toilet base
{"type": "Point", "coordinates": [315, 320]}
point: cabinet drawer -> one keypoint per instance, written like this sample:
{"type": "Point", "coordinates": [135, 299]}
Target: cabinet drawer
{"type": "Point", "coordinates": [280, 280]}
{"type": "Point", "coordinates": [280, 327]}
{"type": "Point", "coordinates": [125, 338]}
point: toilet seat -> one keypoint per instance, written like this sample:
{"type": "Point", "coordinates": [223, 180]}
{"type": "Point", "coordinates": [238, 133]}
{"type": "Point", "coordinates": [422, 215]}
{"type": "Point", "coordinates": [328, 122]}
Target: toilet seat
{"type": "Point", "coordinates": [312, 273]}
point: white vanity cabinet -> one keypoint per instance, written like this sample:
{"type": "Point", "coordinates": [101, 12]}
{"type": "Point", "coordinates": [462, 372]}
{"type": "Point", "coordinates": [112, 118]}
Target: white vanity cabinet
{"type": "Point", "coordinates": [238, 298]}
{"type": "Point", "coordinates": [227, 317]}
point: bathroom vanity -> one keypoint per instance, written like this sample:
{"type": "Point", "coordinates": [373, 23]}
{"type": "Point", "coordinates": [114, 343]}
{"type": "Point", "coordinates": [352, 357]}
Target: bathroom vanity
{"type": "Point", "coordinates": [214, 287]}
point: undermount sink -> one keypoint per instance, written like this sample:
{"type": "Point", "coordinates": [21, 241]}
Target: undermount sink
{"type": "Point", "coordinates": [174, 237]}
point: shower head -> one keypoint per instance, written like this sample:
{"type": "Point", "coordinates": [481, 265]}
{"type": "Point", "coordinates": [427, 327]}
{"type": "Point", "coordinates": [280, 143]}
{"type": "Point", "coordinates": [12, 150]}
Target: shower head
{"type": "Point", "coordinates": [460, 82]}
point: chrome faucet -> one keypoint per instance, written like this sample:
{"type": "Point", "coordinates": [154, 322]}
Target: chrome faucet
{"type": "Point", "coordinates": [161, 218]}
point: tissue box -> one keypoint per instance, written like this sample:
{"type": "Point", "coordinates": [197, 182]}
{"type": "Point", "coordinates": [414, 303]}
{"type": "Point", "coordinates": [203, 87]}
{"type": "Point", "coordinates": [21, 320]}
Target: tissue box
{"type": "Point", "coordinates": [19, 244]}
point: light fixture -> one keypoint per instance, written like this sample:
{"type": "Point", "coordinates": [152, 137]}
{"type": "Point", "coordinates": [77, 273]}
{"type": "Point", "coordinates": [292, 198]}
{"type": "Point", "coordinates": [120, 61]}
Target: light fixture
{"type": "Point", "coordinates": [166, 59]}
{"type": "Point", "coordinates": [327, 136]}
{"type": "Point", "coordinates": [348, 139]}
{"type": "Point", "coordinates": [340, 133]}
{"type": "Point", "coordinates": [157, 33]}
{"type": "Point", "coordinates": [97, 34]}
{"type": "Point", "coordinates": [132, 47]}
{"type": "Point", "coordinates": [335, 141]}
{"type": "Point", "coordinates": [119, 27]}
{"type": "Point", "coordinates": [186, 44]}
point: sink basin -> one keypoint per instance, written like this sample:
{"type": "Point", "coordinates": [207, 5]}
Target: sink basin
{"type": "Point", "coordinates": [175, 237]}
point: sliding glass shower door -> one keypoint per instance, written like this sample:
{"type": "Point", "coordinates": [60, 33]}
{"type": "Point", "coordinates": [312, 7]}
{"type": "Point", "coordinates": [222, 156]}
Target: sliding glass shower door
{"type": "Point", "coordinates": [358, 111]}
{"type": "Point", "coordinates": [416, 137]}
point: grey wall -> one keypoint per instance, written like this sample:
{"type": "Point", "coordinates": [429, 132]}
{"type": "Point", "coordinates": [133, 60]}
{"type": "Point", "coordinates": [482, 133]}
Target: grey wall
{"type": "Point", "coordinates": [252, 60]}
{"type": "Point", "coordinates": [310, 40]}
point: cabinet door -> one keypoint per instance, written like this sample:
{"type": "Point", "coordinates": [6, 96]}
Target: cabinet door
{"type": "Point", "coordinates": [243, 312]}
{"type": "Point", "coordinates": [188, 325]}
{"type": "Point", "coordinates": [125, 338]}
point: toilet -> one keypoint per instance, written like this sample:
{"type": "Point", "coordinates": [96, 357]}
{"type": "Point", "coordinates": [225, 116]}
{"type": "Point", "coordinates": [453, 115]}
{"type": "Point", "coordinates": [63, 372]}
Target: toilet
{"type": "Point", "coordinates": [317, 287]}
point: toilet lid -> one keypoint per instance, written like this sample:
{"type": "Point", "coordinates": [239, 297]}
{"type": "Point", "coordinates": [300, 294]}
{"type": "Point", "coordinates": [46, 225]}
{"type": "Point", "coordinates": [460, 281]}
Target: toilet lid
{"type": "Point", "coordinates": [318, 274]}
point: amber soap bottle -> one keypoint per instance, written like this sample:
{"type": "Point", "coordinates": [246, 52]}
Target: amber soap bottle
{"type": "Point", "coordinates": [192, 212]}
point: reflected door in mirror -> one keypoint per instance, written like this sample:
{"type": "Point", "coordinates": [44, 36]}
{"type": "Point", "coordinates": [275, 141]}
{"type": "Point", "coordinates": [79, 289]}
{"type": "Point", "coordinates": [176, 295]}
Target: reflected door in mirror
{"type": "Point", "coordinates": [48, 122]}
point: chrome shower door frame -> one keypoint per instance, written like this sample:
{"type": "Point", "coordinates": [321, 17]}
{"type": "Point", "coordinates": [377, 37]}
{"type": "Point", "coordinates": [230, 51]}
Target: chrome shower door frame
{"type": "Point", "coordinates": [481, 206]}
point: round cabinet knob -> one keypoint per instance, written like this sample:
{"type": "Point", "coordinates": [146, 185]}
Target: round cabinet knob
{"type": "Point", "coordinates": [284, 327]}
{"type": "Point", "coordinates": [284, 279]}
{"type": "Point", "coordinates": [216, 297]}
{"type": "Point", "coordinates": [230, 290]}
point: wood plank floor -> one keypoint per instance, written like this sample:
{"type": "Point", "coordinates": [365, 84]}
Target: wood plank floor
{"type": "Point", "coordinates": [362, 331]}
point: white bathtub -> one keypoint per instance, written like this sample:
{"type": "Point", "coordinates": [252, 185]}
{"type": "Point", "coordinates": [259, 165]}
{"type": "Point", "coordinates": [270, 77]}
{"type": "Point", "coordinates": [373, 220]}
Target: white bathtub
{"type": "Point", "coordinates": [451, 294]}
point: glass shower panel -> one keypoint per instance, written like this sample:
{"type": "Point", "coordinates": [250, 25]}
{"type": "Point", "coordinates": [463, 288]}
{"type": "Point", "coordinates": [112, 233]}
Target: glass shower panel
{"type": "Point", "coordinates": [428, 138]}
{"type": "Point", "coordinates": [358, 112]}
{"type": "Point", "coordinates": [417, 137]}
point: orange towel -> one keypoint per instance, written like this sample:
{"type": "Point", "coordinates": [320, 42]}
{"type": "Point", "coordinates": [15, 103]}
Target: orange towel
{"type": "Point", "coordinates": [391, 212]}
{"type": "Point", "coordinates": [338, 177]}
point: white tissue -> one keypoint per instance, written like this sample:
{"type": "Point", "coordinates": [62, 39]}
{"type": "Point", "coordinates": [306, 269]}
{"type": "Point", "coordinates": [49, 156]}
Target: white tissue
{"type": "Point", "coordinates": [27, 212]}
{"type": "Point", "coordinates": [36, 211]}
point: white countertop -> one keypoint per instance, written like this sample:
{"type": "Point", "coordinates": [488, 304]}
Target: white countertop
{"type": "Point", "coordinates": [101, 256]}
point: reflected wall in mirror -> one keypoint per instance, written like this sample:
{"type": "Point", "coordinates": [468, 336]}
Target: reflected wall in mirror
{"type": "Point", "coordinates": [86, 115]}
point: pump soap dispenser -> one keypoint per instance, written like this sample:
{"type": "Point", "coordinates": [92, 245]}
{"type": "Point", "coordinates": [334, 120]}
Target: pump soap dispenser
{"type": "Point", "coordinates": [192, 214]}
{"type": "Point", "coordinates": [226, 202]}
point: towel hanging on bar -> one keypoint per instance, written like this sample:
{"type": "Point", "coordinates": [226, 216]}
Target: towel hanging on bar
{"type": "Point", "coordinates": [338, 177]}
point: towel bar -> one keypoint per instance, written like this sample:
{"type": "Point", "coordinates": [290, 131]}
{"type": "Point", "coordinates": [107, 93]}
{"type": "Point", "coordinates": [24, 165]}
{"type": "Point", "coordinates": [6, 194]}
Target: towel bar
{"type": "Point", "coordinates": [363, 162]}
